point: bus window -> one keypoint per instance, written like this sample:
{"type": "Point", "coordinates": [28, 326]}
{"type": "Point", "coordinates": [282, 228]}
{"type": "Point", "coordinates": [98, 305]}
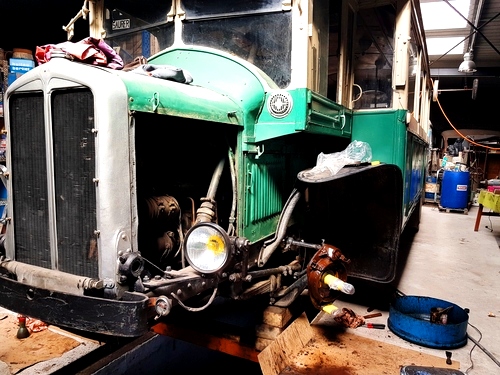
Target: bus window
{"type": "Point", "coordinates": [137, 28]}
{"type": "Point", "coordinates": [373, 57]}
{"type": "Point", "coordinates": [263, 38]}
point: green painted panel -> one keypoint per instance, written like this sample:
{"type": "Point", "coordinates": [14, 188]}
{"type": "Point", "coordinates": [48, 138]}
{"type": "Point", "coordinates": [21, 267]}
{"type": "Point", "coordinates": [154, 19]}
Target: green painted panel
{"type": "Point", "coordinates": [221, 73]}
{"type": "Point", "coordinates": [224, 88]}
{"type": "Point", "coordinates": [385, 131]}
{"type": "Point", "coordinates": [154, 95]}
{"type": "Point", "coordinates": [310, 113]}
{"type": "Point", "coordinates": [392, 143]}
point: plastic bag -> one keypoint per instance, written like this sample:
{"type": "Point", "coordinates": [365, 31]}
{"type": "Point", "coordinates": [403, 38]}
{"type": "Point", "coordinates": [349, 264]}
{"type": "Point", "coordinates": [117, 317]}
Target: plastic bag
{"type": "Point", "coordinates": [355, 153]}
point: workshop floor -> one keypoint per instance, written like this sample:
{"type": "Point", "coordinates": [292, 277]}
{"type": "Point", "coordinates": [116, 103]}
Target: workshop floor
{"type": "Point", "coordinates": [448, 260]}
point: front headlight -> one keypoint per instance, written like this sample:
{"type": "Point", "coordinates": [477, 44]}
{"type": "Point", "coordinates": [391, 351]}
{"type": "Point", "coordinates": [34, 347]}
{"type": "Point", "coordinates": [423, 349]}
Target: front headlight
{"type": "Point", "coordinates": [207, 247]}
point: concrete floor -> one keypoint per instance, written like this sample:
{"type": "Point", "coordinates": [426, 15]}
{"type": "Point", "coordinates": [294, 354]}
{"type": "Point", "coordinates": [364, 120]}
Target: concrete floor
{"type": "Point", "coordinates": [448, 260]}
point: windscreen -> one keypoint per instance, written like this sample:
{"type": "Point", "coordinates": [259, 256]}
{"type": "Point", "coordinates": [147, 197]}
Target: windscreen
{"type": "Point", "coordinates": [257, 31]}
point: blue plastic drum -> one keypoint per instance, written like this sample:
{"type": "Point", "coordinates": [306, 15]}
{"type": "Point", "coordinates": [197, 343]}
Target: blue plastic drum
{"type": "Point", "coordinates": [410, 319]}
{"type": "Point", "coordinates": [455, 190]}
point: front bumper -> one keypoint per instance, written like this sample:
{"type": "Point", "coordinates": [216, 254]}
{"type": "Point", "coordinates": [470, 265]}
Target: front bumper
{"type": "Point", "coordinates": [126, 317]}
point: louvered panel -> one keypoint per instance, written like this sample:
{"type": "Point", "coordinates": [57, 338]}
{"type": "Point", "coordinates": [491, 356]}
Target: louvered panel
{"type": "Point", "coordinates": [265, 199]}
{"type": "Point", "coordinates": [29, 180]}
{"type": "Point", "coordinates": [74, 167]}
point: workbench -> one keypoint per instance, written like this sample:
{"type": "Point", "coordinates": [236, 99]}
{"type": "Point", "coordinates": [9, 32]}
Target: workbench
{"type": "Point", "coordinates": [489, 200]}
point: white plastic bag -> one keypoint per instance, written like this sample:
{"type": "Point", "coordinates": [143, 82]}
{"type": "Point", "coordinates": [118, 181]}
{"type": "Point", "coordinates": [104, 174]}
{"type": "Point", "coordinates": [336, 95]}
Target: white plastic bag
{"type": "Point", "coordinates": [355, 153]}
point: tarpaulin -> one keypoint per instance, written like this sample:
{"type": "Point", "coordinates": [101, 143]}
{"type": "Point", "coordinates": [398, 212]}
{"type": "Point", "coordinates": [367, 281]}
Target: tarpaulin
{"type": "Point", "coordinates": [89, 50]}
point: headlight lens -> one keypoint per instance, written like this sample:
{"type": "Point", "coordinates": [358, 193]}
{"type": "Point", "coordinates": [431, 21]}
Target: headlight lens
{"type": "Point", "coordinates": [207, 248]}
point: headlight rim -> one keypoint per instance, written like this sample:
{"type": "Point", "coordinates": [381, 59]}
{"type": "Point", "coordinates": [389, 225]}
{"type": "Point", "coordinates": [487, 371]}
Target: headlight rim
{"type": "Point", "coordinates": [227, 248]}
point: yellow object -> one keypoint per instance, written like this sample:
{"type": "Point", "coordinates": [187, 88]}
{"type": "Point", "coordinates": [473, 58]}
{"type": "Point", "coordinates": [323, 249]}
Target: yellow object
{"type": "Point", "coordinates": [376, 162]}
{"type": "Point", "coordinates": [337, 284]}
{"type": "Point", "coordinates": [330, 309]}
{"type": "Point", "coordinates": [489, 200]}
{"type": "Point", "coordinates": [332, 281]}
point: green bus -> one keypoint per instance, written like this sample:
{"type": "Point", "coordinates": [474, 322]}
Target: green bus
{"type": "Point", "coordinates": [222, 149]}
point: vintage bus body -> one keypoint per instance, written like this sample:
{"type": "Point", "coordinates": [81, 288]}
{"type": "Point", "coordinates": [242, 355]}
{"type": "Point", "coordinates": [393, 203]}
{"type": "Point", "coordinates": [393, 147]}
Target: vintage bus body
{"type": "Point", "coordinates": [130, 195]}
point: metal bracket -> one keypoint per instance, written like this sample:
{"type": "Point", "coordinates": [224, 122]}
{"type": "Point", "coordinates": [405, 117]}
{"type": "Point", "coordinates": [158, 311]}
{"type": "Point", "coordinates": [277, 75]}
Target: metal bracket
{"type": "Point", "coordinates": [155, 101]}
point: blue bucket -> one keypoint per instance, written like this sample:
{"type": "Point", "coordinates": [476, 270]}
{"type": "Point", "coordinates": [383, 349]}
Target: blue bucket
{"type": "Point", "coordinates": [455, 189]}
{"type": "Point", "coordinates": [409, 318]}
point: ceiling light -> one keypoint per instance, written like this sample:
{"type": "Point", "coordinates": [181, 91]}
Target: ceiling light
{"type": "Point", "coordinates": [467, 66]}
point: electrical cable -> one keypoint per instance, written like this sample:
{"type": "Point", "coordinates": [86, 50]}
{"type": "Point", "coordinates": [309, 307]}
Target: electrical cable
{"type": "Point", "coordinates": [476, 343]}
{"type": "Point", "coordinates": [463, 136]}
{"type": "Point", "coordinates": [195, 309]}
{"type": "Point", "coordinates": [470, 352]}
{"type": "Point", "coordinates": [490, 227]}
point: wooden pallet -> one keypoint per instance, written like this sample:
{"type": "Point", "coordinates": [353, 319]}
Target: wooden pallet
{"type": "Point", "coordinates": [464, 211]}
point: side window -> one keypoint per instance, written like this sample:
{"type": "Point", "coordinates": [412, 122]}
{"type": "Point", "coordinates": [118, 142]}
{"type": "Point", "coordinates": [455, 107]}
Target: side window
{"type": "Point", "coordinates": [373, 57]}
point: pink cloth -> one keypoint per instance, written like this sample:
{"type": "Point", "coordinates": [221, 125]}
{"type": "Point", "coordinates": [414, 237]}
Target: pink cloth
{"type": "Point", "coordinates": [89, 50]}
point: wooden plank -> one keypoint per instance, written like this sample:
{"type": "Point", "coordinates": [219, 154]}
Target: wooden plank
{"type": "Point", "coordinates": [277, 316]}
{"type": "Point", "coordinates": [276, 356]}
{"type": "Point", "coordinates": [339, 351]}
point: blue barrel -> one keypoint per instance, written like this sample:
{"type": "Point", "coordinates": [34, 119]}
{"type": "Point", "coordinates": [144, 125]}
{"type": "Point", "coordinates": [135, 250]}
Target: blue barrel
{"type": "Point", "coordinates": [455, 190]}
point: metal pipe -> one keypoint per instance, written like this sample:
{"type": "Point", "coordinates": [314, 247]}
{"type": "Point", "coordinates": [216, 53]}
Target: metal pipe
{"type": "Point", "coordinates": [50, 279]}
{"type": "Point", "coordinates": [232, 217]}
{"type": "Point", "coordinates": [207, 210]}
{"type": "Point", "coordinates": [274, 271]}
{"type": "Point", "coordinates": [214, 184]}
{"type": "Point", "coordinates": [267, 251]}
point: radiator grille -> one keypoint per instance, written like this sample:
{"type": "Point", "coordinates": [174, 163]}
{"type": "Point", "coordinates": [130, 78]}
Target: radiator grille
{"type": "Point", "coordinates": [74, 169]}
{"type": "Point", "coordinates": [29, 180]}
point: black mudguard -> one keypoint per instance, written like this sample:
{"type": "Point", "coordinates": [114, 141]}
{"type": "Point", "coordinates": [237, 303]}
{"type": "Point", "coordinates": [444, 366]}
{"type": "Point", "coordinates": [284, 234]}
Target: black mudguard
{"type": "Point", "coordinates": [359, 210]}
